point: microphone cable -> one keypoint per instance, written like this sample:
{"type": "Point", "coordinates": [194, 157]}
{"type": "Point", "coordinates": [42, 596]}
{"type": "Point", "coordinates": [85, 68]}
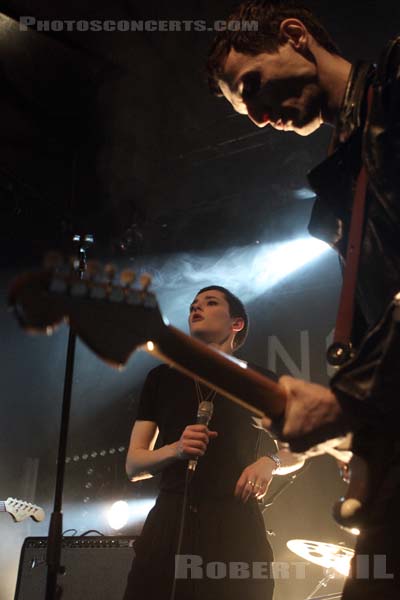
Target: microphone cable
{"type": "Point", "coordinates": [181, 528]}
{"type": "Point", "coordinates": [204, 414]}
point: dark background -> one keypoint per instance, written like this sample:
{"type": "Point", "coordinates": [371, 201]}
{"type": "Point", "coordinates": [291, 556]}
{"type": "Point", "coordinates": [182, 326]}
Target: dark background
{"type": "Point", "coordinates": [115, 134]}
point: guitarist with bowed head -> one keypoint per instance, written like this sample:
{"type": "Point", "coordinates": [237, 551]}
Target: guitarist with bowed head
{"type": "Point", "coordinates": [290, 75]}
{"type": "Point", "coordinates": [222, 520]}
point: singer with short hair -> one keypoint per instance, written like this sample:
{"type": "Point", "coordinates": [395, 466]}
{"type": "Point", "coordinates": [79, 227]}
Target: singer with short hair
{"type": "Point", "coordinates": [211, 476]}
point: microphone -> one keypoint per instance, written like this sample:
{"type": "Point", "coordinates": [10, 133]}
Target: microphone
{"type": "Point", "coordinates": [204, 414]}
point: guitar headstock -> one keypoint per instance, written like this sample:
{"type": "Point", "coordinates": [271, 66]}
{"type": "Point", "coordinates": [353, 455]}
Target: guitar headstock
{"type": "Point", "coordinates": [20, 510]}
{"type": "Point", "coordinates": [112, 318]}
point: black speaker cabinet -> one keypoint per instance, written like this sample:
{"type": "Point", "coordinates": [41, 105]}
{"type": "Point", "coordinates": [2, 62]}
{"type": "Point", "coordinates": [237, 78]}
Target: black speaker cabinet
{"type": "Point", "coordinates": [96, 568]}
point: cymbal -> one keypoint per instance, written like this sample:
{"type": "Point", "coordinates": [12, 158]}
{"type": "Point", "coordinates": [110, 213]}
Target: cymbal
{"type": "Point", "coordinates": [330, 556]}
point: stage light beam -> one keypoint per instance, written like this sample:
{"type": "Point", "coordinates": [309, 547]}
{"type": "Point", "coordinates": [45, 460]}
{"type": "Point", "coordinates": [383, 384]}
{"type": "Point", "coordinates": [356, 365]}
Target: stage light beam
{"type": "Point", "coordinates": [272, 265]}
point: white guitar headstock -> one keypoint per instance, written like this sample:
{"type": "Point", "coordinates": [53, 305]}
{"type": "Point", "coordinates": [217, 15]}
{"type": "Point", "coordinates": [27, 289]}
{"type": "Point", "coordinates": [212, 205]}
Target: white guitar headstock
{"type": "Point", "coordinates": [21, 510]}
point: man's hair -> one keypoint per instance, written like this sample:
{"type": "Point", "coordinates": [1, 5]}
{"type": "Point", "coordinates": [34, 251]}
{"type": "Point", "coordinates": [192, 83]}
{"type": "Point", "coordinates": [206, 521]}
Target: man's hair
{"type": "Point", "coordinates": [269, 15]}
{"type": "Point", "coordinates": [236, 310]}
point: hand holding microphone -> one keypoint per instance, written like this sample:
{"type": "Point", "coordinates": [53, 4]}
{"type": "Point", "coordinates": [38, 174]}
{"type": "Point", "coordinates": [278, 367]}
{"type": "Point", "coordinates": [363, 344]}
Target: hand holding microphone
{"type": "Point", "coordinates": [194, 439]}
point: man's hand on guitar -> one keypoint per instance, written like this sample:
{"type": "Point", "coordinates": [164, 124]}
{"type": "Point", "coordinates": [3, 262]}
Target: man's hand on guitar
{"type": "Point", "coordinates": [312, 415]}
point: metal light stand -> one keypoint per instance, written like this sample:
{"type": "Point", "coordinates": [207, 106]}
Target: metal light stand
{"type": "Point", "coordinates": [330, 574]}
{"type": "Point", "coordinates": [54, 542]}
{"type": "Point", "coordinates": [329, 597]}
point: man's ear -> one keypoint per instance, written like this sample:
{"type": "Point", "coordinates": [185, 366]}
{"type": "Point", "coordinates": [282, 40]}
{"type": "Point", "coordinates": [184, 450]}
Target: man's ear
{"type": "Point", "coordinates": [237, 324]}
{"type": "Point", "coordinates": [295, 32]}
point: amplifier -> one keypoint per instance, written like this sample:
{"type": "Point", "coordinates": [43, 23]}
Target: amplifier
{"type": "Point", "coordinates": [96, 568]}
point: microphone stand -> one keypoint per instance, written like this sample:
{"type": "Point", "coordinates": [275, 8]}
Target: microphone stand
{"type": "Point", "coordinates": [54, 541]}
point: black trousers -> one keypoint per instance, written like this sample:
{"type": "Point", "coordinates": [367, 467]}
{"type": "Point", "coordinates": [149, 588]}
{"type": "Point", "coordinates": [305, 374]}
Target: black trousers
{"type": "Point", "coordinates": [223, 542]}
{"type": "Point", "coordinates": [376, 567]}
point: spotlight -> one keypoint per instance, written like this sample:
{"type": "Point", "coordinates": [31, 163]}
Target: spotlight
{"type": "Point", "coordinates": [118, 515]}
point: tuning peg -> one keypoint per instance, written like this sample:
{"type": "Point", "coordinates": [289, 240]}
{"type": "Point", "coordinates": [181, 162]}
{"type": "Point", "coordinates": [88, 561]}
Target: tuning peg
{"type": "Point", "coordinates": [110, 271]}
{"type": "Point", "coordinates": [127, 277]}
{"type": "Point", "coordinates": [52, 260]}
{"type": "Point", "coordinates": [93, 267]}
{"type": "Point", "coordinates": [145, 281]}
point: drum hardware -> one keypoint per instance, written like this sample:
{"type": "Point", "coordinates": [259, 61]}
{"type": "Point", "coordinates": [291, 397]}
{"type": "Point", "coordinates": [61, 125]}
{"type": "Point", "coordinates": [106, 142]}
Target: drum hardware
{"type": "Point", "coordinates": [332, 557]}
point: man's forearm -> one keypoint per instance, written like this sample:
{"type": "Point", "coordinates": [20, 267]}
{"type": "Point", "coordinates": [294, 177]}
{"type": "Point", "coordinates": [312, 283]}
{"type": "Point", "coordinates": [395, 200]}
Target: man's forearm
{"type": "Point", "coordinates": [142, 464]}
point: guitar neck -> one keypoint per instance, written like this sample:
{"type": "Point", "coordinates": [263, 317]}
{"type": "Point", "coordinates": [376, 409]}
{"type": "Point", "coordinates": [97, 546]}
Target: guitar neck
{"type": "Point", "coordinates": [228, 376]}
{"type": "Point", "coordinates": [114, 320]}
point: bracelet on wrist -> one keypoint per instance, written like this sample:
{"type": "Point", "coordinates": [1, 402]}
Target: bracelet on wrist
{"type": "Point", "coordinates": [275, 458]}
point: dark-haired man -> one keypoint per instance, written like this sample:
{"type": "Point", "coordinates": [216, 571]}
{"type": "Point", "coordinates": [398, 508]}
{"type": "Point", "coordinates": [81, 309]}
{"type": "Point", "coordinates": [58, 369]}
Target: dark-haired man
{"type": "Point", "coordinates": [290, 75]}
{"type": "Point", "coordinates": [222, 522]}
{"type": "Point", "coordinates": [276, 75]}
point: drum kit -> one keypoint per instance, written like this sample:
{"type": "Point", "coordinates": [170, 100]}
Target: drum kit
{"type": "Point", "coordinates": [335, 559]}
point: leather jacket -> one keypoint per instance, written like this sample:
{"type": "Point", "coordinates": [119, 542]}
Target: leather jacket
{"type": "Point", "coordinates": [376, 142]}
